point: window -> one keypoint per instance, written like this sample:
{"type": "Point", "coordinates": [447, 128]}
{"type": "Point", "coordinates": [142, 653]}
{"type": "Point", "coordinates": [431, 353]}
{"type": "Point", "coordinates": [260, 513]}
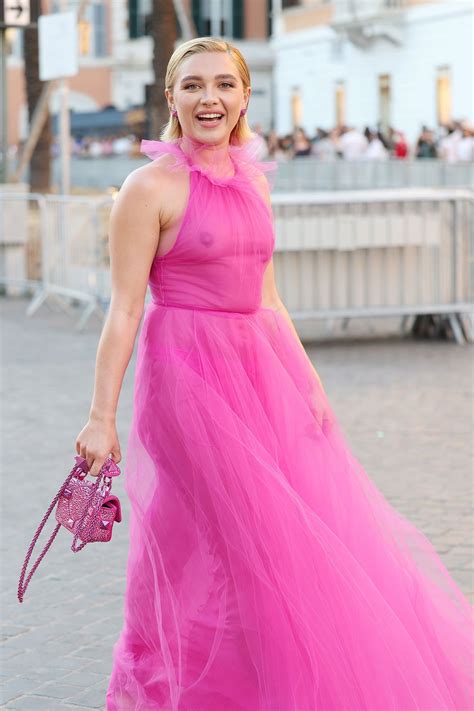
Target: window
{"type": "Point", "coordinates": [340, 107]}
{"type": "Point", "coordinates": [296, 107]}
{"type": "Point", "coordinates": [385, 101]}
{"type": "Point", "coordinates": [219, 17]}
{"type": "Point", "coordinates": [443, 95]}
{"type": "Point", "coordinates": [138, 11]}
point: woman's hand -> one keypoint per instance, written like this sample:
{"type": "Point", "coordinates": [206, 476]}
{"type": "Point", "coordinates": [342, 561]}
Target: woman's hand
{"type": "Point", "coordinates": [96, 441]}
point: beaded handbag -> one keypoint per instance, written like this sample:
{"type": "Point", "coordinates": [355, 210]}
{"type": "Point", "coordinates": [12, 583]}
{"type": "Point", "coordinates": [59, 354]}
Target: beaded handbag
{"type": "Point", "coordinates": [87, 509]}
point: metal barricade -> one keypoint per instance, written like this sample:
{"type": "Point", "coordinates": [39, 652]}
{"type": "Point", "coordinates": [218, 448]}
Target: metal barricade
{"type": "Point", "coordinates": [310, 173]}
{"type": "Point", "coordinates": [357, 254]}
{"type": "Point", "coordinates": [338, 255]}
{"type": "Point", "coordinates": [22, 222]}
{"type": "Point", "coordinates": [74, 250]}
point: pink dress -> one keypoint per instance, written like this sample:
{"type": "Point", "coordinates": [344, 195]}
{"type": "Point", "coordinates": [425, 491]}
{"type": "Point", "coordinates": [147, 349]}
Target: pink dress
{"type": "Point", "coordinates": [266, 572]}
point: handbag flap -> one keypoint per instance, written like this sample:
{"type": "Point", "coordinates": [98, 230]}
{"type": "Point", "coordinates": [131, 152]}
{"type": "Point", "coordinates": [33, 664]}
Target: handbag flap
{"type": "Point", "coordinates": [112, 500]}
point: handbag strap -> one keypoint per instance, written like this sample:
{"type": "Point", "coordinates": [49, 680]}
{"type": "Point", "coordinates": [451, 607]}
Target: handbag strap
{"type": "Point", "coordinates": [22, 583]}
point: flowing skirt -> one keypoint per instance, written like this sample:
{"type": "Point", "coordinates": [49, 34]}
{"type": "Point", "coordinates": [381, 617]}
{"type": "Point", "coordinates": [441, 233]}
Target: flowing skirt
{"type": "Point", "coordinates": [266, 572]}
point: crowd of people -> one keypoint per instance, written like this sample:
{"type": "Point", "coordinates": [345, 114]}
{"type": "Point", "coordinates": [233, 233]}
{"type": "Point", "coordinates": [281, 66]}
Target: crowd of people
{"type": "Point", "coordinates": [451, 142]}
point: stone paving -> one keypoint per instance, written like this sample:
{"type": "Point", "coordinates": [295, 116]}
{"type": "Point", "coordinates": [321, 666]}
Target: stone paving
{"type": "Point", "coordinates": [405, 406]}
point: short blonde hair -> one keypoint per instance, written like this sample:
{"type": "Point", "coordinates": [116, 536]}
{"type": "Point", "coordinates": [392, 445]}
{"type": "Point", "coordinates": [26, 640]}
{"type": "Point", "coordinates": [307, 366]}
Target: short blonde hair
{"type": "Point", "coordinates": [241, 131]}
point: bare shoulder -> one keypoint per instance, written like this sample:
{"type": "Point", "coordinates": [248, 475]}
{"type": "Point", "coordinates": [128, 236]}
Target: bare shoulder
{"type": "Point", "coordinates": [147, 187]}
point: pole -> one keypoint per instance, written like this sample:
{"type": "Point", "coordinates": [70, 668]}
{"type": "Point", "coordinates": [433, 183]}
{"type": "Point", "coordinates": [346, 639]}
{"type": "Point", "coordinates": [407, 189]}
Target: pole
{"type": "Point", "coordinates": [64, 129]}
{"type": "Point", "coordinates": [65, 137]}
{"type": "Point", "coordinates": [4, 111]}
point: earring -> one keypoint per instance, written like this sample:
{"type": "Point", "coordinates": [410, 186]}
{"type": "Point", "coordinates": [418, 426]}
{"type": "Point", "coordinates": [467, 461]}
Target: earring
{"type": "Point", "coordinates": [243, 112]}
{"type": "Point", "coordinates": [174, 112]}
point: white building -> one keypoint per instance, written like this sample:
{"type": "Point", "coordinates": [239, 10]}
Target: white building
{"type": "Point", "coordinates": [401, 63]}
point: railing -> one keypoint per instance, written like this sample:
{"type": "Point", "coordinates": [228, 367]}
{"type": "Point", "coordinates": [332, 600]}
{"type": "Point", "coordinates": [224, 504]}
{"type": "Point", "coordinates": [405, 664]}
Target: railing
{"type": "Point", "coordinates": [380, 253]}
{"type": "Point", "coordinates": [73, 256]}
{"type": "Point", "coordinates": [308, 173]}
{"type": "Point", "coordinates": [338, 255]}
{"type": "Point", "coordinates": [304, 173]}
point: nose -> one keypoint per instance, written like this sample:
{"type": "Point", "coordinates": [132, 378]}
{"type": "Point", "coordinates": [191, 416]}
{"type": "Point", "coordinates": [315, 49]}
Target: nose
{"type": "Point", "coordinates": [209, 95]}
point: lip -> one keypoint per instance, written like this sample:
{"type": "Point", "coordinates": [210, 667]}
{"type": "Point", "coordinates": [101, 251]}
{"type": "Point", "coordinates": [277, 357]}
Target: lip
{"type": "Point", "coordinates": [209, 124]}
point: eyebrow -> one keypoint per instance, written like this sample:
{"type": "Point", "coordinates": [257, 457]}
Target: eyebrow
{"type": "Point", "coordinates": [218, 76]}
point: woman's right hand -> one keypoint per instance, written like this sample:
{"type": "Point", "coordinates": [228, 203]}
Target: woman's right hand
{"type": "Point", "coordinates": [97, 441]}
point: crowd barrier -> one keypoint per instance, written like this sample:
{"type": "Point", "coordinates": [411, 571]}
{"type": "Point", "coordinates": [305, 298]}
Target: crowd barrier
{"type": "Point", "coordinates": [377, 253]}
{"type": "Point", "coordinates": [73, 257]}
{"type": "Point", "coordinates": [308, 173]}
{"type": "Point", "coordinates": [338, 255]}
{"type": "Point", "coordinates": [302, 173]}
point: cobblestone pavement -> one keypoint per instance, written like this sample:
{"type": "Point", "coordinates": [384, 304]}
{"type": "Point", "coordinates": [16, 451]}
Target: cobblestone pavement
{"type": "Point", "coordinates": [405, 407]}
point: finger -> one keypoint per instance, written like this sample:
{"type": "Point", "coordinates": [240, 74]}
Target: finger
{"type": "Point", "coordinates": [95, 467]}
{"type": "Point", "coordinates": [90, 461]}
{"type": "Point", "coordinates": [116, 455]}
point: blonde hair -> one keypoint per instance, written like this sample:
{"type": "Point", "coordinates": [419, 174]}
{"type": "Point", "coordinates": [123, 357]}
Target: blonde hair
{"type": "Point", "coordinates": [172, 130]}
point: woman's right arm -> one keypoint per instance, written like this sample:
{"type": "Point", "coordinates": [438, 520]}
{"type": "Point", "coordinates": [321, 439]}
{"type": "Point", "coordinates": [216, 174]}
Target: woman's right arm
{"type": "Point", "coordinates": [134, 230]}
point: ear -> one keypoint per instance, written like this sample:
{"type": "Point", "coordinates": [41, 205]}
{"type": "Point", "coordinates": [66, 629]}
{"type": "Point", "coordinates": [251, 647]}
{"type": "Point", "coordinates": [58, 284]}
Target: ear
{"type": "Point", "coordinates": [169, 98]}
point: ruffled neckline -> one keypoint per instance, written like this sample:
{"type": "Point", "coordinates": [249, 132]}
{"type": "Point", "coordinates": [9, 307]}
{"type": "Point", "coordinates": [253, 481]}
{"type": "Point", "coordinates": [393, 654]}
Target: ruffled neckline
{"type": "Point", "coordinates": [244, 157]}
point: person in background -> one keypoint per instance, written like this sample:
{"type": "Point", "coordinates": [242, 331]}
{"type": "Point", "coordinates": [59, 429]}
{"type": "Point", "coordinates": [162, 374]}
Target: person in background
{"type": "Point", "coordinates": [375, 149]}
{"type": "Point", "coordinates": [400, 148]}
{"type": "Point", "coordinates": [352, 143]}
{"type": "Point", "coordinates": [325, 148]}
{"type": "Point", "coordinates": [301, 143]}
{"type": "Point", "coordinates": [465, 145]}
{"type": "Point", "coordinates": [426, 144]}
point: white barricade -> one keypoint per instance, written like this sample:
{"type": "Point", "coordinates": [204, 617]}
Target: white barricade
{"type": "Point", "coordinates": [379, 253]}
{"type": "Point", "coordinates": [20, 238]}
{"type": "Point", "coordinates": [337, 255]}
{"type": "Point", "coordinates": [309, 173]}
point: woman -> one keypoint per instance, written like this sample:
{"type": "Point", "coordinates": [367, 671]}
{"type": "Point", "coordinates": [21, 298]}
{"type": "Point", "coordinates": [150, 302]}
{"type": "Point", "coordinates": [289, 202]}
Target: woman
{"type": "Point", "coordinates": [265, 570]}
{"type": "Point", "coordinates": [301, 143]}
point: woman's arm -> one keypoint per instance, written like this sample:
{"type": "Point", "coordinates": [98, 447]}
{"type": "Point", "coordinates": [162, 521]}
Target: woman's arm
{"type": "Point", "coordinates": [133, 238]}
{"type": "Point", "coordinates": [270, 296]}
{"type": "Point", "coordinates": [272, 300]}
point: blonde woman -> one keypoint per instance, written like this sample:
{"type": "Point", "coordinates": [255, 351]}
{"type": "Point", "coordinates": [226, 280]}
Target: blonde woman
{"type": "Point", "coordinates": [265, 570]}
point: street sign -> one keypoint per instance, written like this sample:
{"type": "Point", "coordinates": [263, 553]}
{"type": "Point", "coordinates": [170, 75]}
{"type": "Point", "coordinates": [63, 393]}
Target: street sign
{"type": "Point", "coordinates": [58, 45]}
{"type": "Point", "coordinates": [15, 13]}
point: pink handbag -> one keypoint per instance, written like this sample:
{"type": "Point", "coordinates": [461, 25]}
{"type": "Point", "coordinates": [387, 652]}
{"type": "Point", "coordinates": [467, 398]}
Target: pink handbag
{"type": "Point", "coordinates": [85, 508]}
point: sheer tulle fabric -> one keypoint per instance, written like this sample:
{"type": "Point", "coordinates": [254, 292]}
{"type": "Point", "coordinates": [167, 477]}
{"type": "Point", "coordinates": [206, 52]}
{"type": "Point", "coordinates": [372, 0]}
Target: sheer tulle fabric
{"type": "Point", "coordinates": [265, 572]}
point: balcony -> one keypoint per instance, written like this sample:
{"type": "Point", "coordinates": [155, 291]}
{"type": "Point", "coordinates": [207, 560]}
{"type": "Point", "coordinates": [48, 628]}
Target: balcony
{"type": "Point", "coordinates": [364, 21]}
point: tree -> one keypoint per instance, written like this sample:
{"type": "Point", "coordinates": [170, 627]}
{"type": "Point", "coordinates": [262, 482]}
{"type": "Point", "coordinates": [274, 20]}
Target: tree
{"type": "Point", "coordinates": [163, 29]}
{"type": "Point", "coordinates": [40, 164]}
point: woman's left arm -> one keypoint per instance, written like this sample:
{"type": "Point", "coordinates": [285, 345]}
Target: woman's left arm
{"type": "Point", "coordinates": [271, 299]}
{"type": "Point", "coordinates": [270, 296]}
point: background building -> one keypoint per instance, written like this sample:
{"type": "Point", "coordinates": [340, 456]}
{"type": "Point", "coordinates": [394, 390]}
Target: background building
{"type": "Point", "coordinates": [245, 22]}
{"type": "Point", "coordinates": [395, 62]}
{"type": "Point", "coordinates": [116, 55]}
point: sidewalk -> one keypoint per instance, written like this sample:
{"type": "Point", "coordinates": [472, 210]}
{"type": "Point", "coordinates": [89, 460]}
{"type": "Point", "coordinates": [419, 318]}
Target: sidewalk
{"type": "Point", "coordinates": [405, 407]}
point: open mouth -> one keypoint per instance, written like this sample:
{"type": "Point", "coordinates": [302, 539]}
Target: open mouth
{"type": "Point", "coordinates": [210, 119]}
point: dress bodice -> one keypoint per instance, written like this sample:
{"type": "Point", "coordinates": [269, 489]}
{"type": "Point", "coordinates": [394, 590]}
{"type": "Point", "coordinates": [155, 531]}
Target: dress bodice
{"type": "Point", "coordinates": [226, 235]}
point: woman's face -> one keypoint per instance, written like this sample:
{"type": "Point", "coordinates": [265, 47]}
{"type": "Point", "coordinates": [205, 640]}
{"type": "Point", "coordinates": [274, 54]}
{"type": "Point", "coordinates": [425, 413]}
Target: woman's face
{"type": "Point", "coordinates": [208, 83]}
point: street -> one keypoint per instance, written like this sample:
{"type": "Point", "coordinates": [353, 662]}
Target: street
{"type": "Point", "coordinates": [405, 406]}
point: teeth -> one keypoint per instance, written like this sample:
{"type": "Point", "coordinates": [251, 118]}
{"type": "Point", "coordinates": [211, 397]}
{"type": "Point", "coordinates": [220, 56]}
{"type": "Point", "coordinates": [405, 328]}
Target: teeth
{"type": "Point", "coordinates": [209, 115]}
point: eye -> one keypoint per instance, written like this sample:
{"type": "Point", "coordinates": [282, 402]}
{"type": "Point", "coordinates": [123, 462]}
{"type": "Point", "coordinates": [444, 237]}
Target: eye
{"type": "Point", "coordinates": [188, 86]}
{"type": "Point", "coordinates": [227, 83]}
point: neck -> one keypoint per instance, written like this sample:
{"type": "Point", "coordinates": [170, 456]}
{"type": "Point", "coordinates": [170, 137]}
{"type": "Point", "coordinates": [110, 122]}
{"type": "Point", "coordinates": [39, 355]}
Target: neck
{"type": "Point", "coordinates": [214, 156]}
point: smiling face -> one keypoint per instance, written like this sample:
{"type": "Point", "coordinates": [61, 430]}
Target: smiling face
{"type": "Point", "coordinates": [208, 86]}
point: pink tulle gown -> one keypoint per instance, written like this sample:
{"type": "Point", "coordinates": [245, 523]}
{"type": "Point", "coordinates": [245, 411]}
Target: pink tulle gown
{"type": "Point", "coordinates": [266, 572]}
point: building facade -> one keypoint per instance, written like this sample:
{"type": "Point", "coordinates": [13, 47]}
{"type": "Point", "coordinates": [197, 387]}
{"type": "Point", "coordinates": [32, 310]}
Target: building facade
{"type": "Point", "coordinates": [399, 63]}
{"type": "Point", "coordinates": [116, 54]}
